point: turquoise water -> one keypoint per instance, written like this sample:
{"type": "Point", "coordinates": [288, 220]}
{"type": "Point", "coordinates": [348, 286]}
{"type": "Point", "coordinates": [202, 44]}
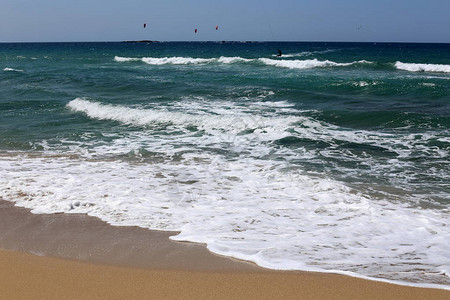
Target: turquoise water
{"type": "Point", "coordinates": [333, 157]}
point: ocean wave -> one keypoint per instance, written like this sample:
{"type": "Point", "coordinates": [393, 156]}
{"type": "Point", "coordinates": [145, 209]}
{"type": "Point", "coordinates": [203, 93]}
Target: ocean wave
{"type": "Point", "coordinates": [224, 118]}
{"type": "Point", "coordinates": [306, 53]}
{"type": "Point", "coordinates": [290, 55]}
{"type": "Point", "coordinates": [307, 64]}
{"type": "Point", "coordinates": [126, 59]}
{"type": "Point", "coordinates": [182, 60]}
{"type": "Point", "coordinates": [12, 70]}
{"type": "Point", "coordinates": [412, 67]}
{"type": "Point", "coordinates": [230, 60]}
{"type": "Point", "coordinates": [339, 227]}
{"type": "Point", "coordinates": [210, 122]}
{"type": "Point", "coordinates": [202, 199]}
{"type": "Point", "coordinates": [176, 60]}
{"type": "Point", "coordinates": [291, 64]}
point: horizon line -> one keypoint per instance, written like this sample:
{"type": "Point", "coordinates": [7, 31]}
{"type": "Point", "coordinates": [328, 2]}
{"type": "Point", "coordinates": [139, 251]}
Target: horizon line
{"type": "Point", "coordinates": [217, 41]}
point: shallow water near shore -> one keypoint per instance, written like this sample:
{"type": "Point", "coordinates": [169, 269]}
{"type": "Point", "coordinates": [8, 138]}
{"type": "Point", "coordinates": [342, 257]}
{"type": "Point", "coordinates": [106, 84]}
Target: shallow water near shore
{"type": "Point", "coordinates": [333, 157]}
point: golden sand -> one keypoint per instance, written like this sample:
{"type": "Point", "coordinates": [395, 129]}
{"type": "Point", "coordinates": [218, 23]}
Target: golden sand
{"type": "Point", "coordinates": [26, 276]}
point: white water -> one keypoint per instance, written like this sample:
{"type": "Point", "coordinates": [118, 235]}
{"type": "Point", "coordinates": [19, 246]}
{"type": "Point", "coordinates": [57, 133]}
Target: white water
{"type": "Point", "coordinates": [422, 67]}
{"type": "Point", "coordinates": [306, 64]}
{"type": "Point", "coordinates": [12, 70]}
{"type": "Point", "coordinates": [218, 189]}
{"type": "Point", "coordinates": [292, 64]}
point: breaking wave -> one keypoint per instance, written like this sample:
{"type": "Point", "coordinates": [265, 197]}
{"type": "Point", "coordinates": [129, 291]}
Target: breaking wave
{"type": "Point", "coordinates": [176, 60]}
{"type": "Point", "coordinates": [150, 117]}
{"type": "Point", "coordinates": [11, 70]}
{"type": "Point", "coordinates": [422, 67]}
{"type": "Point", "coordinates": [166, 60]}
{"type": "Point", "coordinates": [307, 64]}
{"type": "Point", "coordinates": [291, 64]}
{"type": "Point", "coordinates": [307, 53]}
{"type": "Point", "coordinates": [229, 60]}
{"type": "Point", "coordinates": [339, 228]}
{"type": "Point", "coordinates": [126, 59]}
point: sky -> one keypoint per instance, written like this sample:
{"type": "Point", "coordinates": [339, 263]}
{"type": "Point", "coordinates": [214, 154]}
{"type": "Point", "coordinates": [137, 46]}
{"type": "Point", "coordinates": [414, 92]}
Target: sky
{"type": "Point", "coordinates": [238, 20]}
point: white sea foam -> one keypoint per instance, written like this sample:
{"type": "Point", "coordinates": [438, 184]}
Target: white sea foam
{"type": "Point", "coordinates": [422, 67]}
{"type": "Point", "coordinates": [306, 53]}
{"type": "Point", "coordinates": [361, 83]}
{"type": "Point", "coordinates": [292, 64]}
{"type": "Point", "coordinates": [149, 117]}
{"type": "Point", "coordinates": [363, 61]}
{"type": "Point", "coordinates": [290, 55]}
{"type": "Point", "coordinates": [229, 60]}
{"type": "Point", "coordinates": [12, 70]}
{"type": "Point", "coordinates": [239, 208]}
{"type": "Point", "coordinates": [305, 64]}
{"type": "Point", "coordinates": [226, 120]}
{"type": "Point", "coordinates": [233, 188]}
{"type": "Point", "coordinates": [126, 59]}
{"type": "Point", "coordinates": [176, 60]}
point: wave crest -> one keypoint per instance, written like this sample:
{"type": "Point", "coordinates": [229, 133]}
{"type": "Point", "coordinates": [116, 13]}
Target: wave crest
{"type": "Point", "coordinates": [291, 64]}
{"type": "Point", "coordinates": [126, 59]}
{"type": "Point", "coordinates": [148, 117]}
{"type": "Point", "coordinates": [182, 60]}
{"type": "Point", "coordinates": [412, 67]}
{"type": "Point", "coordinates": [307, 64]}
{"type": "Point", "coordinates": [176, 60]}
{"type": "Point", "coordinates": [230, 60]}
{"type": "Point", "coordinates": [12, 70]}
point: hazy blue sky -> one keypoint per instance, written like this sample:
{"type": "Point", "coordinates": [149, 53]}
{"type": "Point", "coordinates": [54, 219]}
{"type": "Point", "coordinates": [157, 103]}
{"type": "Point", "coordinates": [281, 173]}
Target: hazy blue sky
{"type": "Point", "coordinates": [175, 20]}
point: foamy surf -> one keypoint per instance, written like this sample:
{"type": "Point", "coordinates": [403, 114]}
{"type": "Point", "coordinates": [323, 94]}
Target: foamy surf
{"type": "Point", "coordinates": [317, 224]}
{"type": "Point", "coordinates": [412, 67]}
{"type": "Point", "coordinates": [166, 60]}
{"type": "Point", "coordinates": [176, 60]}
{"type": "Point", "coordinates": [126, 59]}
{"type": "Point", "coordinates": [151, 117]}
{"type": "Point", "coordinates": [230, 60]}
{"type": "Point", "coordinates": [305, 53]}
{"type": "Point", "coordinates": [12, 70]}
{"type": "Point", "coordinates": [291, 64]}
{"type": "Point", "coordinates": [200, 193]}
{"type": "Point", "coordinates": [307, 64]}
{"type": "Point", "coordinates": [182, 60]}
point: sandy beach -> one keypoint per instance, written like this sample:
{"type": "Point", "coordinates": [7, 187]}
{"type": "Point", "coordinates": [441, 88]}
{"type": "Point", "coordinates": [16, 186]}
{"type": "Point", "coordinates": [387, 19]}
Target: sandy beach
{"type": "Point", "coordinates": [74, 256]}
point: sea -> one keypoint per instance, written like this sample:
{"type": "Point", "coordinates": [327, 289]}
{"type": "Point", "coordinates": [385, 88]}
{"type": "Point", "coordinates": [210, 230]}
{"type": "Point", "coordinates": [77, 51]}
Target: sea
{"type": "Point", "coordinates": [334, 157]}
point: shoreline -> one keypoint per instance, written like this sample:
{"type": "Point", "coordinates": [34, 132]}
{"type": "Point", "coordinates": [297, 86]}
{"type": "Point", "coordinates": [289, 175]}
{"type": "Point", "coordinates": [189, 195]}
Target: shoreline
{"type": "Point", "coordinates": [85, 238]}
{"type": "Point", "coordinates": [79, 245]}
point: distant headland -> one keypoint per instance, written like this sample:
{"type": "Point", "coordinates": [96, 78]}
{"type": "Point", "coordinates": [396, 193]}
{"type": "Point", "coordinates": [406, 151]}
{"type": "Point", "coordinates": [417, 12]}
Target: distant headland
{"type": "Point", "coordinates": [142, 41]}
{"type": "Point", "coordinates": [221, 42]}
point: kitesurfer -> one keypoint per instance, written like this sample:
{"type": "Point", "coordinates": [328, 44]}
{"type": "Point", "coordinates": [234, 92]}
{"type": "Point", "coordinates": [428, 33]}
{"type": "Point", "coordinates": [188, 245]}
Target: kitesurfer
{"type": "Point", "coordinates": [195, 30]}
{"type": "Point", "coordinates": [279, 52]}
{"type": "Point", "coordinates": [145, 25]}
{"type": "Point", "coordinates": [217, 27]}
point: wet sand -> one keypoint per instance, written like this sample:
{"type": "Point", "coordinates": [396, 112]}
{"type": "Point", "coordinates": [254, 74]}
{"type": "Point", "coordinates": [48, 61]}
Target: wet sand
{"type": "Point", "coordinates": [80, 257]}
